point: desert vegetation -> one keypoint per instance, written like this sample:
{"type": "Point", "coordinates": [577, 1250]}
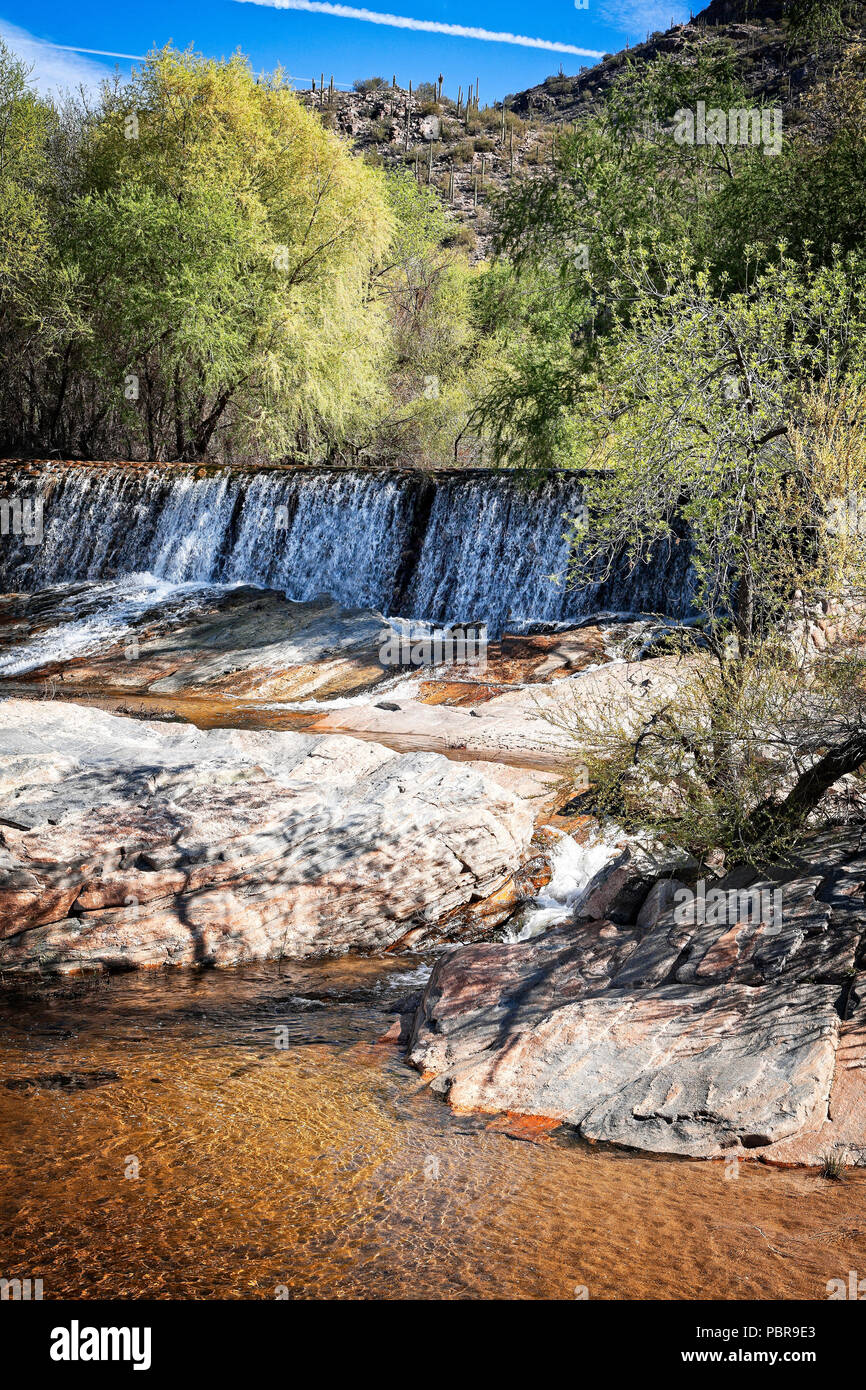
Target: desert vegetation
{"type": "Point", "coordinates": [196, 266]}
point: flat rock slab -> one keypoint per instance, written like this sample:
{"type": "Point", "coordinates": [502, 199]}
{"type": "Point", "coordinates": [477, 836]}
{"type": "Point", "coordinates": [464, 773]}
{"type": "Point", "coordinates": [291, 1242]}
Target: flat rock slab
{"type": "Point", "coordinates": [241, 643]}
{"type": "Point", "coordinates": [246, 644]}
{"type": "Point", "coordinates": [128, 844]}
{"type": "Point", "coordinates": [704, 1039]}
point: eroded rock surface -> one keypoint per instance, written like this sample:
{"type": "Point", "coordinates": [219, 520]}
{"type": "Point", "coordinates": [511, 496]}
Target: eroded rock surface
{"type": "Point", "coordinates": [128, 844]}
{"type": "Point", "coordinates": [706, 1039]}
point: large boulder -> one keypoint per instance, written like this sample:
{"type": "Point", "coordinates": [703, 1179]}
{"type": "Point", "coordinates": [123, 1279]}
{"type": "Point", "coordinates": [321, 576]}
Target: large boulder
{"type": "Point", "coordinates": [702, 1038]}
{"type": "Point", "coordinates": [125, 843]}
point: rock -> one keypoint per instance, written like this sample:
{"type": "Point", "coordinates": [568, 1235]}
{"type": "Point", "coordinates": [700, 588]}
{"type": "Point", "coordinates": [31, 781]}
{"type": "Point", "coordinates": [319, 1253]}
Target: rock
{"type": "Point", "coordinates": [242, 643]}
{"type": "Point", "coordinates": [231, 654]}
{"type": "Point", "coordinates": [165, 844]}
{"type": "Point", "coordinates": [659, 900]}
{"type": "Point", "coordinates": [697, 1038]}
{"type": "Point", "coordinates": [616, 892]}
{"type": "Point", "coordinates": [839, 1127]}
{"type": "Point", "coordinates": [477, 920]}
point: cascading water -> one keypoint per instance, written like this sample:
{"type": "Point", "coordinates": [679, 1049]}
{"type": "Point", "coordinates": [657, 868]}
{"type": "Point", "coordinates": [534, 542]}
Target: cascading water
{"type": "Point", "coordinates": [448, 548]}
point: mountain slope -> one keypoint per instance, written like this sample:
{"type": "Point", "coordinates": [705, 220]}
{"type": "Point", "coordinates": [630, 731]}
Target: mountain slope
{"type": "Point", "coordinates": [463, 150]}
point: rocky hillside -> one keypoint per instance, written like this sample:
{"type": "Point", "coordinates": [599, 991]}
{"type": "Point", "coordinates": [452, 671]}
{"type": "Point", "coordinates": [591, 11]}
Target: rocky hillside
{"type": "Point", "coordinates": [465, 149]}
{"type": "Point", "coordinates": [775, 60]}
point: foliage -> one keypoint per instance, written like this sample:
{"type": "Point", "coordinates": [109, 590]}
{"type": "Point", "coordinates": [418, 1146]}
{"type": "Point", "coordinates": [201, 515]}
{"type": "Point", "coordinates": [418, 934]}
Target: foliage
{"type": "Point", "coordinates": [688, 323]}
{"type": "Point", "coordinates": [217, 243]}
{"type": "Point", "coordinates": [697, 405]}
{"type": "Point", "coordinates": [816, 20]}
{"type": "Point", "coordinates": [25, 123]}
{"type": "Point", "coordinates": [719, 755]}
{"type": "Point", "coordinates": [436, 351]}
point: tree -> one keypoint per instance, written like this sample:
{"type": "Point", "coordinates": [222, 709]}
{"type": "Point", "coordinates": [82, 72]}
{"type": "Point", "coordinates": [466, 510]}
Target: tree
{"type": "Point", "coordinates": [437, 353]}
{"type": "Point", "coordinates": [742, 420]}
{"type": "Point", "coordinates": [813, 195]}
{"type": "Point", "coordinates": [617, 176]}
{"type": "Point", "coordinates": [710, 380]}
{"type": "Point", "coordinates": [699, 399]}
{"type": "Point", "coordinates": [221, 244]}
{"type": "Point", "coordinates": [25, 122]}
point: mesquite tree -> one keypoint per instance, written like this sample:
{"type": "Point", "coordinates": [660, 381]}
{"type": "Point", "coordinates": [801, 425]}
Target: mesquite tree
{"type": "Point", "coordinates": [204, 250]}
{"type": "Point", "coordinates": [734, 424]}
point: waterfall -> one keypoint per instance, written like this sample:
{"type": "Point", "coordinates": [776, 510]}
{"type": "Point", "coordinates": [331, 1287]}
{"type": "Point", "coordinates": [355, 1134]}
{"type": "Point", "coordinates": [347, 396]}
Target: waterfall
{"type": "Point", "coordinates": [471, 547]}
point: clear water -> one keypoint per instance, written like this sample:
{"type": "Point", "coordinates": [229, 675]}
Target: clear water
{"type": "Point", "coordinates": [326, 1169]}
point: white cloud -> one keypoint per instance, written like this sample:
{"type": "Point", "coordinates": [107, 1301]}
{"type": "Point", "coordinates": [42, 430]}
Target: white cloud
{"type": "Point", "coordinates": [637, 18]}
{"type": "Point", "coordinates": [56, 66]}
{"type": "Point", "coordinates": [424, 26]}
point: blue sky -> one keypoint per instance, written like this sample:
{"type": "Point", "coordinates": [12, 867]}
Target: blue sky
{"type": "Point", "coordinates": [306, 43]}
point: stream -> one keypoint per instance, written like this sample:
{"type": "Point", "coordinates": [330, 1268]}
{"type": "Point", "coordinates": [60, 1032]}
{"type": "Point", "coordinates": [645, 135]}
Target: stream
{"type": "Point", "coordinates": [242, 1134]}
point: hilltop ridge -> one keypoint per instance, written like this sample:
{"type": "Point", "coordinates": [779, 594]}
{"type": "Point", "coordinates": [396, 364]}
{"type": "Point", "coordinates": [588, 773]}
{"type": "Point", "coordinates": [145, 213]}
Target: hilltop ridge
{"type": "Point", "coordinates": [464, 150]}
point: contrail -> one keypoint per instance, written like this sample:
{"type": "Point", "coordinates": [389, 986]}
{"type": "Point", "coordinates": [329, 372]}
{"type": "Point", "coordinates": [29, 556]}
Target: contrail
{"type": "Point", "coordinates": [426, 26]}
{"type": "Point", "coordinates": [99, 52]}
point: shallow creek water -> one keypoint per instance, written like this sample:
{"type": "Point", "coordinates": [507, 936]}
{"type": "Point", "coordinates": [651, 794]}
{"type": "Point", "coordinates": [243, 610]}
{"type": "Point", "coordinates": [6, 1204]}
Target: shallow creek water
{"type": "Point", "coordinates": [325, 1168]}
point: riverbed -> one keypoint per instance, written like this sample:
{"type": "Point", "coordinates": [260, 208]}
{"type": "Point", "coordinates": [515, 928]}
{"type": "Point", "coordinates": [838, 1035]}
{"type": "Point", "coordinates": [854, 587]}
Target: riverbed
{"type": "Point", "coordinates": [256, 1131]}
{"type": "Point", "coordinates": [243, 1133]}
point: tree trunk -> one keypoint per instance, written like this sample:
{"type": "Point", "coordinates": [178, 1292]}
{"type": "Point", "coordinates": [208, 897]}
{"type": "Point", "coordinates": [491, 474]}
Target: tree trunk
{"type": "Point", "coordinates": [745, 614]}
{"type": "Point", "coordinates": [810, 787]}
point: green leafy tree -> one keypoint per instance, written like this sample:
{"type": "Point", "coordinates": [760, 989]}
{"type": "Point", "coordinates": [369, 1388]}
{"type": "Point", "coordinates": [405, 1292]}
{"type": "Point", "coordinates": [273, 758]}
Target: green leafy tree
{"type": "Point", "coordinates": [700, 398]}
{"type": "Point", "coordinates": [813, 195]}
{"type": "Point", "coordinates": [221, 244]}
{"type": "Point", "coordinates": [743, 420]}
{"type": "Point", "coordinates": [25, 123]}
{"type": "Point", "coordinates": [437, 353]}
{"type": "Point", "coordinates": [617, 177]}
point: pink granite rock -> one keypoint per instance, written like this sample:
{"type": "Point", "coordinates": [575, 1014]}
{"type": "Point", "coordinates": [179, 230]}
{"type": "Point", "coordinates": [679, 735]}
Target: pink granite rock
{"type": "Point", "coordinates": [165, 844]}
{"type": "Point", "coordinates": [706, 1038]}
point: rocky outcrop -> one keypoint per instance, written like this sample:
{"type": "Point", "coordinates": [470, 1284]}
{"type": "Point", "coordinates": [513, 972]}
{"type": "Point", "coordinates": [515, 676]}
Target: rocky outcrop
{"type": "Point", "coordinates": [247, 645]}
{"type": "Point", "coordinates": [223, 645]}
{"type": "Point", "coordinates": [742, 1035]}
{"type": "Point", "coordinates": [128, 844]}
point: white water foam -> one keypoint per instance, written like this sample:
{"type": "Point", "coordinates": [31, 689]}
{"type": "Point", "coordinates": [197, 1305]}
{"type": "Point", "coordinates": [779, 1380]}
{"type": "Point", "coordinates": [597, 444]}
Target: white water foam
{"type": "Point", "coordinates": [101, 615]}
{"type": "Point", "coordinates": [574, 867]}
